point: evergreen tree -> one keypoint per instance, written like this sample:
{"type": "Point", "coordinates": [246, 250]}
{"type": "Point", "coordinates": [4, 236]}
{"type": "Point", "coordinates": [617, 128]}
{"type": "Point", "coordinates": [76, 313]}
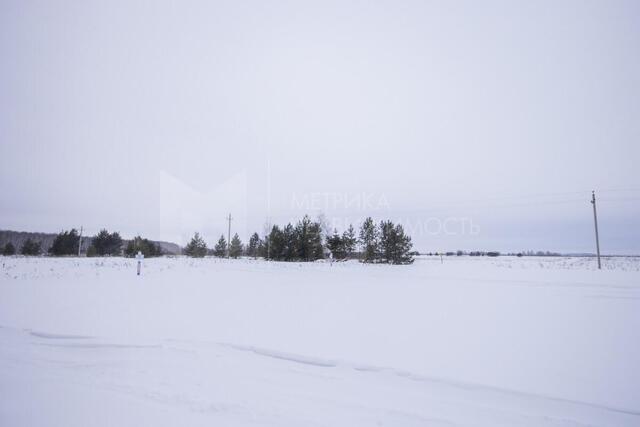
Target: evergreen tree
{"type": "Point", "coordinates": [65, 243]}
{"type": "Point", "coordinates": [144, 246]}
{"type": "Point", "coordinates": [308, 240]}
{"type": "Point", "coordinates": [9, 249]}
{"type": "Point", "coordinates": [106, 243]}
{"type": "Point", "coordinates": [402, 253]}
{"type": "Point", "coordinates": [336, 244]}
{"type": "Point", "coordinates": [276, 243]}
{"type": "Point", "coordinates": [369, 240]}
{"type": "Point", "coordinates": [235, 250]}
{"type": "Point", "coordinates": [115, 244]}
{"type": "Point", "coordinates": [220, 250]}
{"type": "Point", "coordinates": [263, 247]}
{"type": "Point", "coordinates": [100, 242]}
{"type": "Point", "coordinates": [91, 252]}
{"type": "Point", "coordinates": [349, 241]}
{"type": "Point", "coordinates": [316, 244]}
{"type": "Point", "coordinates": [387, 241]}
{"type": "Point", "coordinates": [290, 244]}
{"type": "Point", "coordinates": [254, 245]}
{"type": "Point", "coordinates": [302, 239]}
{"type": "Point", "coordinates": [31, 247]}
{"type": "Point", "coordinates": [196, 248]}
{"type": "Point", "coordinates": [395, 246]}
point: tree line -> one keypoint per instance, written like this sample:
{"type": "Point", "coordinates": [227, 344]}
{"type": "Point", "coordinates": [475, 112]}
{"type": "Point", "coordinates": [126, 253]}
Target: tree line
{"type": "Point", "coordinates": [29, 247]}
{"type": "Point", "coordinates": [383, 242]}
{"type": "Point", "coordinates": [306, 241]}
{"type": "Point", "coordinates": [103, 244]}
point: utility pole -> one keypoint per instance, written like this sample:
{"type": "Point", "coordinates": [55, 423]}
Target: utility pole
{"type": "Point", "coordinates": [595, 220]}
{"type": "Point", "coordinates": [80, 242]}
{"type": "Point", "coordinates": [229, 238]}
{"type": "Point", "coordinates": [268, 236]}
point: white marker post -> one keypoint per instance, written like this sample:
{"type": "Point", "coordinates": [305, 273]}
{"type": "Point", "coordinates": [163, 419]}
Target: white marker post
{"type": "Point", "coordinates": [139, 258]}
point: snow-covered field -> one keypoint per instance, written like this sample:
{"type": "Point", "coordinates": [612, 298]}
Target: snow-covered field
{"type": "Point", "coordinates": [470, 342]}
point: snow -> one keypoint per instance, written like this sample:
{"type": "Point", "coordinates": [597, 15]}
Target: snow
{"type": "Point", "coordinates": [468, 342]}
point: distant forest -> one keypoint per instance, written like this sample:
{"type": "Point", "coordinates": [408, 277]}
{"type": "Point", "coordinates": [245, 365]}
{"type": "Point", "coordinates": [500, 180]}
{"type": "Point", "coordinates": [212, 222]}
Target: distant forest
{"type": "Point", "coordinates": [67, 243]}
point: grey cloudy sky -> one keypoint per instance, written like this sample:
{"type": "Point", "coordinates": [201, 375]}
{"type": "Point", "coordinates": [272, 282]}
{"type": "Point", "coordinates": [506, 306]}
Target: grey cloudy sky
{"type": "Point", "coordinates": [158, 118]}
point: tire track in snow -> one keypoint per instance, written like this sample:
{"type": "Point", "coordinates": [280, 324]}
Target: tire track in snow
{"type": "Point", "coordinates": [313, 361]}
{"type": "Point", "coordinates": [472, 387]}
{"type": "Point", "coordinates": [48, 335]}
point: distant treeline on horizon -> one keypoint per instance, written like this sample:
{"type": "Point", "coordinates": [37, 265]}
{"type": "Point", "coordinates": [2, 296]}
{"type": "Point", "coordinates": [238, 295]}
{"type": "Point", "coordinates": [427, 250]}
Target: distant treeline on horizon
{"type": "Point", "coordinates": [307, 240]}
{"type": "Point", "coordinates": [68, 242]}
{"type": "Point", "coordinates": [282, 243]}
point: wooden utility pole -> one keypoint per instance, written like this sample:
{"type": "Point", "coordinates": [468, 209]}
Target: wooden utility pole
{"type": "Point", "coordinates": [229, 238]}
{"type": "Point", "coordinates": [595, 220]}
{"type": "Point", "coordinates": [268, 236]}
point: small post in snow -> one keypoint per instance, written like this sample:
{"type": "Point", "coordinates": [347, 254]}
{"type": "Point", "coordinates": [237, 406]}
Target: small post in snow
{"type": "Point", "coordinates": [139, 258]}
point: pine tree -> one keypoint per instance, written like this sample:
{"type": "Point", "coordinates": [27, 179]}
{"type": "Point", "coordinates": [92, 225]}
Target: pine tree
{"type": "Point", "coordinates": [336, 244]}
{"type": "Point", "coordinates": [65, 243]}
{"type": "Point", "coordinates": [196, 248]}
{"type": "Point", "coordinates": [235, 250]}
{"type": "Point", "coordinates": [106, 243]}
{"type": "Point", "coordinates": [387, 241]}
{"type": "Point", "coordinates": [308, 240]}
{"type": "Point", "coordinates": [302, 239]}
{"type": "Point", "coordinates": [369, 240]}
{"type": "Point", "coordinates": [254, 245]}
{"type": "Point", "coordinates": [115, 244]}
{"type": "Point", "coordinates": [263, 246]}
{"type": "Point", "coordinates": [402, 253]}
{"type": "Point", "coordinates": [349, 240]}
{"type": "Point", "coordinates": [276, 243]}
{"type": "Point", "coordinates": [395, 246]}
{"type": "Point", "coordinates": [220, 250]}
{"type": "Point", "coordinates": [31, 248]}
{"type": "Point", "coordinates": [316, 244]}
{"type": "Point", "coordinates": [91, 252]}
{"type": "Point", "coordinates": [138, 244]}
{"type": "Point", "coordinates": [9, 249]}
{"type": "Point", "coordinates": [290, 243]}
{"type": "Point", "coordinates": [100, 242]}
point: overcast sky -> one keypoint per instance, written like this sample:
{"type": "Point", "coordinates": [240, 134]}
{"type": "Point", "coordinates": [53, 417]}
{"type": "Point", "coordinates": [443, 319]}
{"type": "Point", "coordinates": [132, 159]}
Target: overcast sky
{"type": "Point", "coordinates": [478, 125]}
